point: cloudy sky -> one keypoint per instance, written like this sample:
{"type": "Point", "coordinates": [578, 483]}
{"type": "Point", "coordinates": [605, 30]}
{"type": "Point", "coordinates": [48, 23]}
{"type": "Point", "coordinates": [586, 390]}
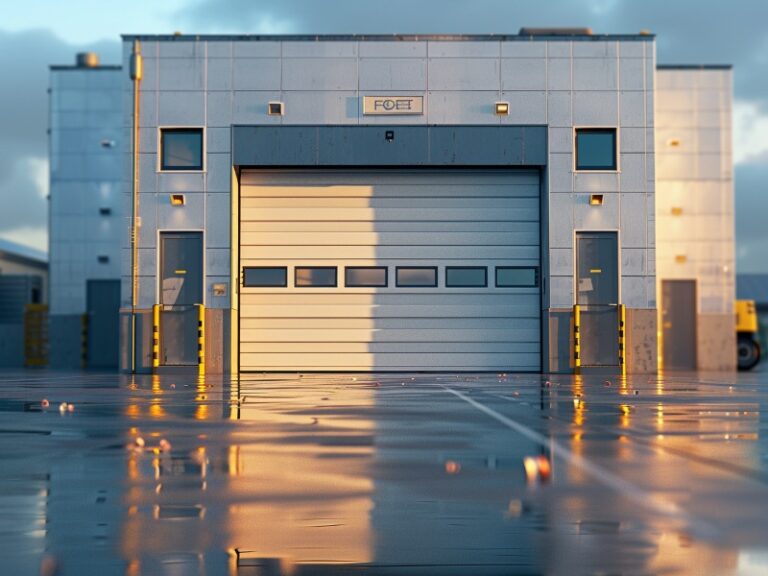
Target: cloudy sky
{"type": "Point", "coordinates": [36, 33]}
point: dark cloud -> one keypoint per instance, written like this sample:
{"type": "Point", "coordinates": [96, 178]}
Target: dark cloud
{"type": "Point", "coordinates": [751, 212]}
{"type": "Point", "coordinates": [24, 60]}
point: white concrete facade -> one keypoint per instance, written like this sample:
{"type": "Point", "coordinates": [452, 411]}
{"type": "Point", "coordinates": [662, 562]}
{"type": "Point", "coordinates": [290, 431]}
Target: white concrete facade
{"type": "Point", "coordinates": [558, 82]}
{"type": "Point", "coordinates": [695, 199]}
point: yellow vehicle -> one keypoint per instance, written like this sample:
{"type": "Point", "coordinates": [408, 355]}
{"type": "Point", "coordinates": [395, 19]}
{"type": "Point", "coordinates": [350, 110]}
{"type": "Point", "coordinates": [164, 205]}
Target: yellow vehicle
{"type": "Point", "coordinates": [746, 332]}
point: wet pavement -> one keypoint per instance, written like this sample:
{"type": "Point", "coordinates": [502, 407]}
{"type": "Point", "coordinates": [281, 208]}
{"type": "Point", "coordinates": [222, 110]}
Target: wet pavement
{"type": "Point", "coordinates": [383, 474]}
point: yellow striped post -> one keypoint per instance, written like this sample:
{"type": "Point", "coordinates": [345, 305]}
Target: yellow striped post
{"type": "Point", "coordinates": [84, 340]}
{"type": "Point", "coordinates": [155, 337]}
{"type": "Point", "coordinates": [622, 339]}
{"type": "Point", "coordinates": [576, 339]}
{"type": "Point", "coordinates": [201, 339]}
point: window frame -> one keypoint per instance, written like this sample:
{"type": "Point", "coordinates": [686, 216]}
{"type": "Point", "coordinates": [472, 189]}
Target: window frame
{"type": "Point", "coordinates": [397, 279]}
{"type": "Point", "coordinates": [283, 285]}
{"type": "Point", "coordinates": [161, 130]}
{"type": "Point", "coordinates": [616, 152]}
{"type": "Point", "coordinates": [386, 277]}
{"type": "Point", "coordinates": [335, 277]}
{"type": "Point", "coordinates": [485, 276]}
{"type": "Point", "coordinates": [537, 276]}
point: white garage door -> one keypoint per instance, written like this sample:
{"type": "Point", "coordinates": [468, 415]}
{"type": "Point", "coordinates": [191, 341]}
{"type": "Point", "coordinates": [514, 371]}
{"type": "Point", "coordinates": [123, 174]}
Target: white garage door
{"type": "Point", "coordinates": [384, 270]}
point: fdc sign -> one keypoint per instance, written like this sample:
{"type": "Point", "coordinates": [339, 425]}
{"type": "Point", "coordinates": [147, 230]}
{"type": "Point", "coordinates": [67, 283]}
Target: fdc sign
{"type": "Point", "coordinates": [392, 105]}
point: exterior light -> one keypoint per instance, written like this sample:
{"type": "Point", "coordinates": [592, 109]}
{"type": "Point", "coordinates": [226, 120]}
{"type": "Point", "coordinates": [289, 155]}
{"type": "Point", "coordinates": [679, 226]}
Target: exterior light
{"type": "Point", "coordinates": [681, 259]}
{"type": "Point", "coordinates": [502, 108]}
{"type": "Point", "coordinates": [674, 143]}
{"type": "Point", "coordinates": [677, 211]}
{"type": "Point", "coordinates": [275, 109]}
{"type": "Point", "coordinates": [595, 199]}
{"type": "Point", "coordinates": [178, 200]}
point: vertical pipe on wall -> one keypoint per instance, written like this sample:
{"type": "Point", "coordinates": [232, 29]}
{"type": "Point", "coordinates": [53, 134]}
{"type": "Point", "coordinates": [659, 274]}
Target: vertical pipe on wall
{"type": "Point", "coordinates": [576, 339]}
{"type": "Point", "coordinates": [136, 74]}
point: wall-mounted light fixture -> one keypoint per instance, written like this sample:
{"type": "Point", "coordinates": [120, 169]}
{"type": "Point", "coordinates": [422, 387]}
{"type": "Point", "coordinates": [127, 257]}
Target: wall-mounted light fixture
{"type": "Point", "coordinates": [674, 143]}
{"type": "Point", "coordinates": [681, 259]}
{"type": "Point", "coordinates": [502, 108]}
{"type": "Point", "coordinates": [595, 199]}
{"type": "Point", "coordinates": [103, 259]}
{"type": "Point", "coordinates": [104, 211]}
{"type": "Point", "coordinates": [389, 135]}
{"type": "Point", "coordinates": [677, 211]}
{"type": "Point", "coordinates": [275, 109]}
{"type": "Point", "coordinates": [178, 200]}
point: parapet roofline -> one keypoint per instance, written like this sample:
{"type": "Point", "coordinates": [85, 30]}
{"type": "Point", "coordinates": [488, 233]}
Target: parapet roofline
{"type": "Point", "coordinates": [694, 67]}
{"type": "Point", "coordinates": [74, 67]}
{"type": "Point", "coordinates": [572, 35]}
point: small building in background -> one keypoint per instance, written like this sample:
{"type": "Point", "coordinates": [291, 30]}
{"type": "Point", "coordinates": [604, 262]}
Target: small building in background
{"type": "Point", "coordinates": [695, 253]}
{"type": "Point", "coordinates": [23, 281]}
{"type": "Point", "coordinates": [86, 123]}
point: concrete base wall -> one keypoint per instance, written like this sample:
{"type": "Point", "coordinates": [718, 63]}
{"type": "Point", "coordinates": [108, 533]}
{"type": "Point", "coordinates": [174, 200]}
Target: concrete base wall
{"type": "Point", "coordinates": [642, 341]}
{"type": "Point", "coordinates": [217, 339]}
{"type": "Point", "coordinates": [716, 343]}
{"type": "Point", "coordinates": [11, 345]}
{"type": "Point", "coordinates": [65, 337]}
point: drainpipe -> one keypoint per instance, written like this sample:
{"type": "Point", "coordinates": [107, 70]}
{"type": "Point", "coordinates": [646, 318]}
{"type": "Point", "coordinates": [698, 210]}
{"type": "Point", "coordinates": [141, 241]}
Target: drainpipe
{"type": "Point", "coordinates": [137, 69]}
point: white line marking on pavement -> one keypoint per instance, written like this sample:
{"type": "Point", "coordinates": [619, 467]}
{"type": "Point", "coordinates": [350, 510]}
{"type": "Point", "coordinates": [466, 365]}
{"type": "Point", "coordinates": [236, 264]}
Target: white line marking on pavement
{"type": "Point", "coordinates": [642, 497]}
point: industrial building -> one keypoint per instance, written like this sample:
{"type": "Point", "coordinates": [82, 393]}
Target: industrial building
{"type": "Point", "coordinates": [404, 203]}
{"type": "Point", "coordinates": [85, 213]}
{"type": "Point", "coordinates": [392, 203]}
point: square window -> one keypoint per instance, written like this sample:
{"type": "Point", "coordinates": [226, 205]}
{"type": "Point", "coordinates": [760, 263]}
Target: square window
{"type": "Point", "coordinates": [181, 148]}
{"type": "Point", "coordinates": [466, 277]}
{"type": "Point", "coordinates": [416, 277]}
{"type": "Point", "coordinates": [315, 277]}
{"type": "Point", "coordinates": [264, 277]}
{"type": "Point", "coordinates": [517, 277]}
{"type": "Point", "coordinates": [596, 149]}
{"type": "Point", "coordinates": [365, 276]}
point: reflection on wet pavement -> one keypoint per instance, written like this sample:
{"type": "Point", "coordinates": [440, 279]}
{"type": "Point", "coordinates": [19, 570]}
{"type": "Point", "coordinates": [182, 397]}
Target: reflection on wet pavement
{"type": "Point", "coordinates": [383, 474]}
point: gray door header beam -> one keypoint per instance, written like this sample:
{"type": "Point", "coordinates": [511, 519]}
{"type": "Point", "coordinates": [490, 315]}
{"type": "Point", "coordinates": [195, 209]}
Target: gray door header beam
{"type": "Point", "coordinates": [395, 145]}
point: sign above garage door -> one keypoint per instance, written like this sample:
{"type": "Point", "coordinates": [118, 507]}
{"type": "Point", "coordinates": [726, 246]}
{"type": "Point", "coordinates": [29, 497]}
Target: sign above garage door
{"type": "Point", "coordinates": [393, 105]}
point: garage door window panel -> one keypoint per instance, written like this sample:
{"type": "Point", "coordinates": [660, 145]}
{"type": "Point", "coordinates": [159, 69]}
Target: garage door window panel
{"type": "Point", "coordinates": [466, 277]}
{"type": "Point", "coordinates": [417, 277]}
{"type": "Point", "coordinates": [315, 277]}
{"type": "Point", "coordinates": [365, 277]}
{"type": "Point", "coordinates": [265, 277]}
{"type": "Point", "coordinates": [517, 277]}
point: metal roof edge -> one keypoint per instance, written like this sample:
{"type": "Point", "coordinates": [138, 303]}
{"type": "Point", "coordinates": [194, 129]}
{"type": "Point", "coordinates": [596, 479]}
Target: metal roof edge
{"type": "Point", "coordinates": [382, 37]}
{"type": "Point", "coordinates": [74, 67]}
{"type": "Point", "coordinates": [694, 67]}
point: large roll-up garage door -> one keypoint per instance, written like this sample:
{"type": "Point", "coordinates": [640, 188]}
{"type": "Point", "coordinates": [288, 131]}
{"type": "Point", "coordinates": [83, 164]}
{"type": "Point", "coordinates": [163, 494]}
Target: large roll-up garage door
{"type": "Point", "coordinates": [389, 270]}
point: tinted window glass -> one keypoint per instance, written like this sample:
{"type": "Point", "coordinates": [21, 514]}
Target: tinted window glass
{"type": "Point", "coordinates": [466, 277]}
{"type": "Point", "coordinates": [365, 276]}
{"type": "Point", "coordinates": [265, 277]}
{"type": "Point", "coordinates": [182, 149]}
{"type": "Point", "coordinates": [417, 277]}
{"type": "Point", "coordinates": [315, 277]}
{"type": "Point", "coordinates": [516, 277]}
{"type": "Point", "coordinates": [596, 149]}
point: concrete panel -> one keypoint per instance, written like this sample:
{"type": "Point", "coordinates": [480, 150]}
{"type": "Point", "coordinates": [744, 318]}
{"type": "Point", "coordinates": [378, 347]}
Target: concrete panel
{"type": "Point", "coordinates": [65, 341]}
{"type": "Point", "coordinates": [524, 74]}
{"type": "Point", "coordinates": [629, 49]}
{"type": "Point", "coordinates": [640, 344]}
{"type": "Point", "coordinates": [633, 177]}
{"type": "Point", "coordinates": [319, 74]}
{"type": "Point", "coordinates": [716, 343]}
{"type": "Point", "coordinates": [214, 340]}
{"type": "Point", "coordinates": [560, 173]}
{"type": "Point", "coordinates": [143, 340]}
{"type": "Point", "coordinates": [217, 219]}
{"type": "Point", "coordinates": [561, 221]}
{"type": "Point", "coordinates": [464, 74]}
{"type": "Point", "coordinates": [523, 49]}
{"type": "Point", "coordinates": [182, 182]}
{"type": "Point", "coordinates": [559, 359]}
{"type": "Point", "coordinates": [181, 74]}
{"type": "Point", "coordinates": [588, 217]}
{"type": "Point", "coordinates": [219, 173]}
{"type": "Point", "coordinates": [392, 49]}
{"type": "Point", "coordinates": [634, 232]}
{"type": "Point", "coordinates": [324, 49]}
{"type": "Point", "coordinates": [595, 109]}
{"type": "Point", "coordinates": [219, 109]}
{"type": "Point", "coordinates": [632, 109]}
{"type": "Point", "coordinates": [250, 107]}
{"type": "Point", "coordinates": [219, 74]}
{"type": "Point", "coordinates": [634, 140]}
{"type": "Point", "coordinates": [181, 49]}
{"type": "Point", "coordinates": [633, 291]}
{"type": "Point", "coordinates": [525, 107]}
{"type": "Point", "coordinates": [633, 261]}
{"type": "Point", "coordinates": [462, 107]}
{"type": "Point", "coordinates": [595, 74]}
{"type": "Point", "coordinates": [559, 48]}
{"type": "Point", "coordinates": [219, 140]}
{"type": "Point", "coordinates": [561, 140]}
{"type": "Point", "coordinates": [561, 291]}
{"type": "Point", "coordinates": [255, 74]}
{"type": "Point", "coordinates": [191, 216]}
{"type": "Point", "coordinates": [392, 74]}
{"type": "Point", "coordinates": [560, 109]}
{"type": "Point", "coordinates": [632, 74]}
{"type": "Point", "coordinates": [327, 107]}
{"type": "Point", "coordinates": [181, 108]}
{"type": "Point", "coordinates": [561, 261]}
{"type": "Point", "coordinates": [258, 49]}
{"type": "Point", "coordinates": [217, 262]}
{"type": "Point", "coordinates": [463, 49]}
{"type": "Point", "coordinates": [599, 49]}
{"type": "Point", "coordinates": [220, 49]}
{"type": "Point", "coordinates": [559, 74]}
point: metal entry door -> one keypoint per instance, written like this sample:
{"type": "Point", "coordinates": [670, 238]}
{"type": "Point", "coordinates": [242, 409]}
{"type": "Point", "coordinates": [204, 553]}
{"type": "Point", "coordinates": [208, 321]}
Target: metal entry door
{"type": "Point", "coordinates": [678, 322]}
{"type": "Point", "coordinates": [181, 288]}
{"type": "Point", "coordinates": [103, 303]}
{"type": "Point", "coordinates": [597, 293]}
